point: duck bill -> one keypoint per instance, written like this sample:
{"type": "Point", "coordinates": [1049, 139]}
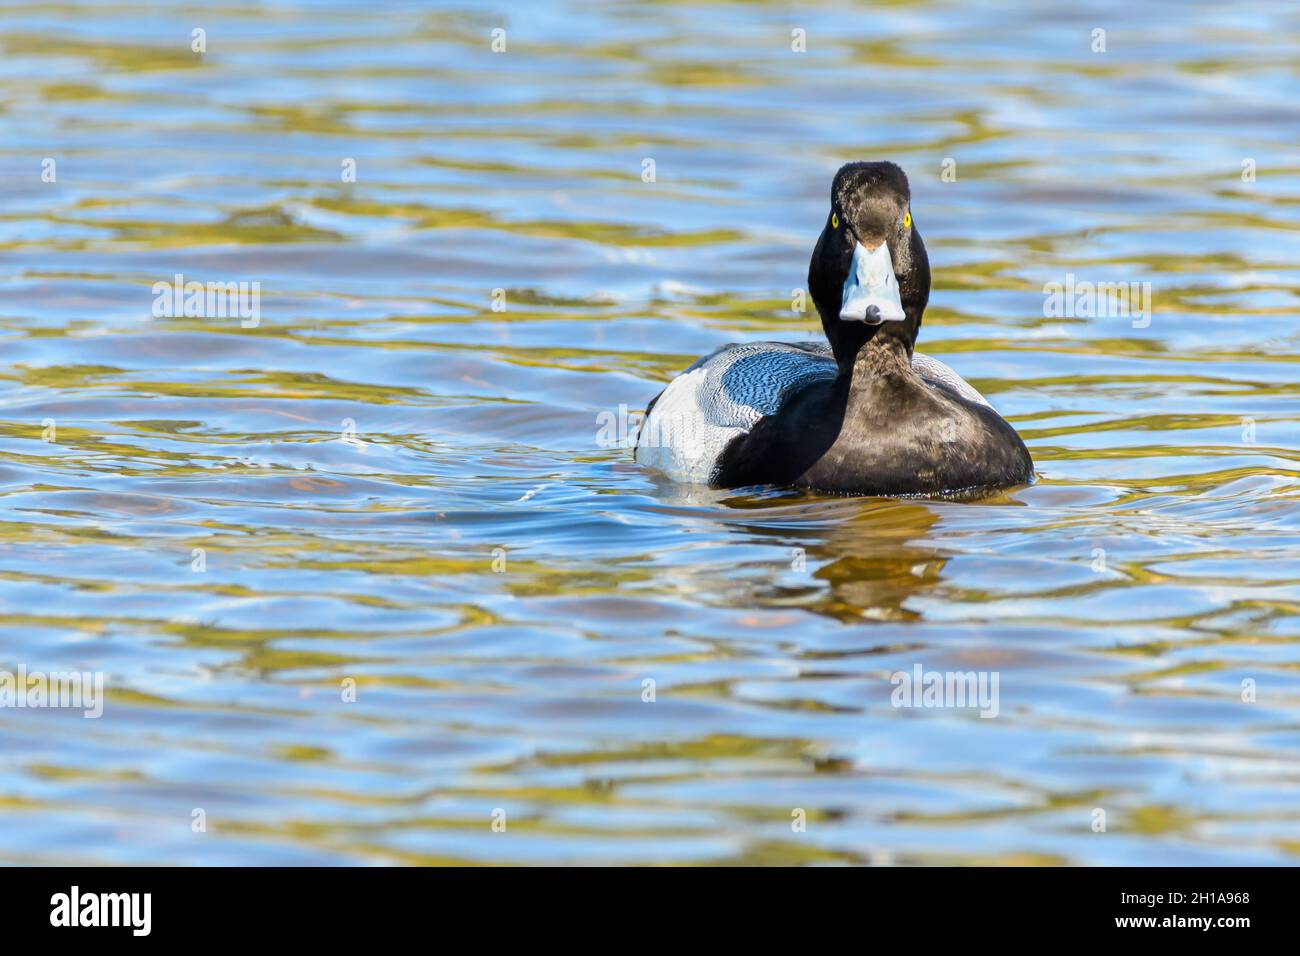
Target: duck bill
{"type": "Point", "coordinates": [871, 290]}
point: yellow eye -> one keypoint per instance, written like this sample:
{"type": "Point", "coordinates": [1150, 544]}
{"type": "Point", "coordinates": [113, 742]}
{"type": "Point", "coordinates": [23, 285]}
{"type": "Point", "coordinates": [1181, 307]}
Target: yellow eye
{"type": "Point", "coordinates": [907, 219]}
{"type": "Point", "coordinates": [835, 221]}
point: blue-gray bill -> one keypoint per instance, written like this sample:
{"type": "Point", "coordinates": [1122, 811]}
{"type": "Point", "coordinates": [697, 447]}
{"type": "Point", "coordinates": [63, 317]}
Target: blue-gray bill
{"type": "Point", "coordinates": [871, 289]}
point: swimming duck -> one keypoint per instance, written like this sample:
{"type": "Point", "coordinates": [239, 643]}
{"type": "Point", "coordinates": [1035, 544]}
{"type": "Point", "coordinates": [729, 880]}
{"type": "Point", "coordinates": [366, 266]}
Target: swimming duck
{"type": "Point", "coordinates": [865, 415]}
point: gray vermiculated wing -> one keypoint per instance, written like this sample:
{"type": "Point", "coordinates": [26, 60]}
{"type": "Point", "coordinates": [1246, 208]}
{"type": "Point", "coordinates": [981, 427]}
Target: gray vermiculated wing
{"type": "Point", "coordinates": [747, 382]}
{"type": "Point", "coordinates": [932, 370]}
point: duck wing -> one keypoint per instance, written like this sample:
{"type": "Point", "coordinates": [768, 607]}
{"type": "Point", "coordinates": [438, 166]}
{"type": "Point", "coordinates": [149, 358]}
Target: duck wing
{"type": "Point", "coordinates": [936, 373]}
{"type": "Point", "coordinates": [719, 398]}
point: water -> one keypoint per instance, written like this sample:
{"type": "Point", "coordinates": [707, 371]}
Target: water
{"type": "Point", "coordinates": [497, 583]}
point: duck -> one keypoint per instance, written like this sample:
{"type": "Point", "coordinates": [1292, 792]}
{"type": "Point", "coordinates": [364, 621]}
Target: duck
{"type": "Point", "coordinates": [862, 413]}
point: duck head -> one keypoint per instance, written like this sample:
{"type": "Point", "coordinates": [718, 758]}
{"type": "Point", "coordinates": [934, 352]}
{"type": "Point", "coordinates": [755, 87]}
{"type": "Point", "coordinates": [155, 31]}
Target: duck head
{"type": "Point", "coordinates": [869, 276]}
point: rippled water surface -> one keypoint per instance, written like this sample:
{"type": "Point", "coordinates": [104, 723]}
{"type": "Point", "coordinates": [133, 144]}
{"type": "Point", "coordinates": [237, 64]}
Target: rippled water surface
{"type": "Point", "coordinates": [187, 510]}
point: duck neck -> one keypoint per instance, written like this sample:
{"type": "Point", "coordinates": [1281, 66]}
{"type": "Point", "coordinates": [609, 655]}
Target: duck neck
{"type": "Point", "coordinates": [880, 359]}
{"type": "Point", "coordinates": [853, 343]}
{"type": "Point", "coordinates": [881, 369]}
